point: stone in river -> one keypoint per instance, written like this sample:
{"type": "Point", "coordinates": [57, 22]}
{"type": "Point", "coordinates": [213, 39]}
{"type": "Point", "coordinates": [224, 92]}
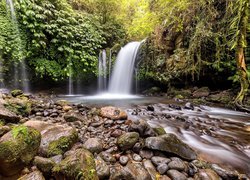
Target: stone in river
{"type": "Point", "coordinates": [171, 144]}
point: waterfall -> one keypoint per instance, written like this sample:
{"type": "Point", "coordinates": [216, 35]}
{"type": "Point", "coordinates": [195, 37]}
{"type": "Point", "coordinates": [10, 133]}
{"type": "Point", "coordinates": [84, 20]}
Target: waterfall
{"type": "Point", "coordinates": [102, 71]}
{"type": "Point", "coordinates": [70, 82]}
{"type": "Point", "coordinates": [20, 73]}
{"type": "Point", "coordinates": [122, 75]}
{"type": "Point", "coordinates": [110, 64]}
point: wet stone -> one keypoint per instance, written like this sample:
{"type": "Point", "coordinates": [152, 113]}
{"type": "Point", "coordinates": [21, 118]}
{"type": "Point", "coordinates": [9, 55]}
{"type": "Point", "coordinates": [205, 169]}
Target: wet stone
{"type": "Point", "coordinates": [137, 157]}
{"type": "Point", "coordinates": [123, 160]}
{"type": "Point", "coordinates": [146, 154]}
{"type": "Point", "coordinates": [162, 168]}
{"type": "Point", "coordinates": [94, 145]}
{"type": "Point", "coordinates": [157, 160]}
{"type": "Point", "coordinates": [176, 175]}
{"type": "Point", "coordinates": [107, 157]}
{"type": "Point", "coordinates": [177, 165]}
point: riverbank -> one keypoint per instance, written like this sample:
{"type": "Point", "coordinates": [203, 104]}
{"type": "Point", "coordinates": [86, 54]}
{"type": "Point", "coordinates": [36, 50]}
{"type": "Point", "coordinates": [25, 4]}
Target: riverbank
{"type": "Point", "coordinates": [112, 143]}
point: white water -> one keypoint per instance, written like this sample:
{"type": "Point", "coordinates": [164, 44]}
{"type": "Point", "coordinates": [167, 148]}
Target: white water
{"type": "Point", "coordinates": [122, 75]}
{"type": "Point", "coordinates": [20, 73]}
{"type": "Point", "coordinates": [102, 71]}
{"type": "Point", "coordinates": [70, 82]}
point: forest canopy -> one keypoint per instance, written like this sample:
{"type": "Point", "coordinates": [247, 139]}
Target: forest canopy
{"type": "Point", "coordinates": [185, 40]}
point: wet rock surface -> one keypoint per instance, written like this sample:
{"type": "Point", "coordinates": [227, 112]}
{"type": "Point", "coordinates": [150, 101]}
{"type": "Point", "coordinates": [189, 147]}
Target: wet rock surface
{"type": "Point", "coordinates": [91, 143]}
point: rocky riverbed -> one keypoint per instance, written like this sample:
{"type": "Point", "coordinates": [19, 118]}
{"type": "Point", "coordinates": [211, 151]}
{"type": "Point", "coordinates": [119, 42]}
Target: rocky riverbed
{"type": "Point", "coordinates": [45, 139]}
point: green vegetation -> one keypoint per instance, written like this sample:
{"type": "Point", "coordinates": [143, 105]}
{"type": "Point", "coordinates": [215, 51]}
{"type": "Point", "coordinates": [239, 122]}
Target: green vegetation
{"type": "Point", "coordinates": [187, 41]}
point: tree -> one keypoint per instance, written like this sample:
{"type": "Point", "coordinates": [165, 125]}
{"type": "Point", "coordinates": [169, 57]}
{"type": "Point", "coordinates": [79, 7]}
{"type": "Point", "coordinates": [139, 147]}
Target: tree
{"type": "Point", "coordinates": [239, 11]}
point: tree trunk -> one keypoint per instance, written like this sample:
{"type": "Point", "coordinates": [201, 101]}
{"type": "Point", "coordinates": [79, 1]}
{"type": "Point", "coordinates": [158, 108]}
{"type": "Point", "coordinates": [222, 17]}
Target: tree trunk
{"type": "Point", "coordinates": [242, 70]}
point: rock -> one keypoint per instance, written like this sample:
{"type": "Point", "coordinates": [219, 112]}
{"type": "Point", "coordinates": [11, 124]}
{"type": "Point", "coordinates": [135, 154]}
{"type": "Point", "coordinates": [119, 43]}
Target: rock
{"type": "Point", "coordinates": [143, 128]}
{"type": "Point", "coordinates": [79, 164]}
{"type": "Point", "coordinates": [137, 158]}
{"type": "Point", "coordinates": [107, 157]}
{"type": "Point", "coordinates": [137, 147]}
{"type": "Point", "coordinates": [157, 160]}
{"type": "Point", "coordinates": [116, 133]}
{"type": "Point", "coordinates": [202, 92]}
{"type": "Point", "coordinates": [177, 165]}
{"type": "Point", "coordinates": [113, 113]}
{"type": "Point", "coordinates": [7, 115]}
{"type": "Point", "coordinates": [162, 168]}
{"type": "Point", "coordinates": [137, 171]}
{"type": "Point", "coordinates": [16, 92]}
{"type": "Point", "coordinates": [159, 131]}
{"type": "Point", "coordinates": [176, 175]}
{"type": "Point", "coordinates": [206, 174]}
{"type": "Point", "coordinates": [188, 105]}
{"type": "Point", "coordinates": [57, 159]}
{"type": "Point", "coordinates": [146, 154]}
{"type": "Point", "coordinates": [35, 175]}
{"type": "Point", "coordinates": [44, 164]}
{"type": "Point", "coordinates": [127, 140]}
{"type": "Point", "coordinates": [223, 97]}
{"type": "Point", "coordinates": [225, 174]}
{"type": "Point", "coordinates": [151, 169]}
{"type": "Point", "coordinates": [171, 144]}
{"type": "Point", "coordinates": [123, 160]}
{"type": "Point", "coordinates": [119, 173]}
{"type": "Point", "coordinates": [56, 139]}
{"type": "Point", "coordinates": [102, 168]}
{"type": "Point", "coordinates": [19, 106]}
{"type": "Point", "coordinates": [150, 108]}
{"type": "Point", "coordinates": [4, 129]}
{"type": "Point", "coordinates": [17, 149]}
{"type": "Point", "coordinates": [94, 145]}
{"type": "Point", "coordinates": [67, 108]}
{"type": "Point", "coordinates": [72, 116]}
{"type": "Point", "coordinates": [151, 91]}
{"type": "Point", "coordinates": [62, 102]}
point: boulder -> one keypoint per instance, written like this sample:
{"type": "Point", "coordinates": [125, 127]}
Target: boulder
{"type": "Point", "coordinates": [77, 165]}
{"type": "Point", "coordinates": [67, 108]}
{"type": "Point", "coordinates": [35, 175]}
{"type": "Point", "coordinates": [113, 113]}
{"type": "Point", "coordinates": [7, 115]}
{"type": "Point", "coordinates": [143, 128]}
{"type": "Point", "coordinates": [20, 106]}
{"type": "Point", "coordinates": [94, 145]}
{"type": "Point", "coordinates": [137, 171]}
{"type": "Point", "coordinates": [127, 140]}
{"type": "Point", "coordinates": [201, 92]}
{"type": "Point", "coordinates": [44, 164]}
{"type": "Point", "coordinates": [56, 139]}
{"type": "Point", "coordinates": [176, 175]}
{"type": "Point", "coordinates": [4, 129]}
{"type": "Point", "coordinates": [17, 149]}
{"type": "Point", "coordinates": [16, 92]}
{"type": "Point", "coordinates": [72, 116]}
{"type": "Point", "coordinates": [102, 168]}
{"type": "Point", "coordinates": [206, 174]}
{"type": "Point", "coordinates": [151, 169]}
{"type": "Point", "coordinates": [171, 144]}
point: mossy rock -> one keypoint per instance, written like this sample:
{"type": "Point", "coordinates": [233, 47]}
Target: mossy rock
{"type": "Point", "coordinates": [159, 131]}
{"type": "Point", "coordinates": [35, 175]}
{"type": "Point", "coordinates": [62, 144]}
{"type": "Point", "coordinates": [78, 165]}
{"type": "Point", "coordinates": [56, 139]}
{"type": "Point", "coordinates": [127, 140]}
{"type": "Point", "coordinates": [17, 148]}
{"type": "Point", "coordinates": [19, 106]}
{"type": "Point", "coordinates": [16, 92]}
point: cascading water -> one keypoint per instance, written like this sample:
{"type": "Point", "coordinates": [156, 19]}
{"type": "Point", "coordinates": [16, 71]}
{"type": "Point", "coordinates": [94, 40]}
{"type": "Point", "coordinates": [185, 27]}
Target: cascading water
{"type": "Point", "coordinates": [121, 79]}
{"type": "Point", "coordinates": [20, 73]}
{"type": "Point", "coordinates": [110, 64]}
{"type": "Point", "coordinates": [102, 71]}
{"type": "Point", "coordinates": [70, 82]}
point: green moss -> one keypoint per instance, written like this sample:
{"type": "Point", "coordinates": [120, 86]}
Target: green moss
{"type": "Point", "coordinates": [159, 131]}
{"type": "Point", "coordinates": [19, 107]}
{"type": "Point", "coordinates": [2, 122]}
{"type": "Point", "coordinates": [62, 144]}
{"type": "Point", "coordinates": [80, 166]}
{"type": "Point", "coordinates": [22, 146]}
{"type": "Point", "coordinates": [16, 92]}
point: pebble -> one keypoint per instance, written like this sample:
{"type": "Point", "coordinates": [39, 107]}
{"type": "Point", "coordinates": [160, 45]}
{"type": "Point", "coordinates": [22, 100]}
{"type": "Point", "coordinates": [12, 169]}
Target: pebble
{"type": "Point", "coordinates": [137, 157]}
{"type": "Point", "coordinates": [162, 168]}
{"type": "Point", "coordinates": [177, 165]}
{"type": "Point", "coordinates": [146, 154]}
{"type": "Point", "coordinates": [123, 160]}
{"type": "Point", "coordinates": [157, 160]}
{"type": "Point", "coordinates": [176, 175]}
